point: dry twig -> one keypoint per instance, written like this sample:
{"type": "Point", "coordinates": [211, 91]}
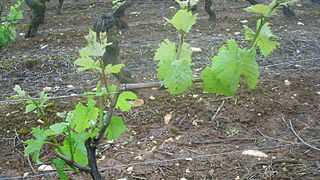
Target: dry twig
{"type": "Point", "coordinates": [304, 142]}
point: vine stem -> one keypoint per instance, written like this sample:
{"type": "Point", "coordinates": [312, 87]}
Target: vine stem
{"type": "Point", "coordinates": [182, 37]}
{"type": "Point", "coordinates": [253, 42]}
{"type": "Point", "coordinates": [107, 120]}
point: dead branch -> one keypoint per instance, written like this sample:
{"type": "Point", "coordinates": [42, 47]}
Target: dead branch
{"type": "Point", "coordinates": [269, 137]}
{"type": "Point", "coordinates": [304, 142]}
{"type": "Point", "coordinates": [224, 141]}
{"type": "Point", "coordinates": [215, 115]}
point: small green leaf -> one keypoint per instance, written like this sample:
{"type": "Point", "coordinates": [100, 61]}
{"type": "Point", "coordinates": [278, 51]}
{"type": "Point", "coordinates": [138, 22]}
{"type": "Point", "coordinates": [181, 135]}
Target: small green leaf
{"type": "Point", "coordinates": [57, 128]}
{"type": "Point", "coordinates": [76, 146]}
{"type": "Point", "coordinates": [59, 164]}
{"type": "Point", "coordinates": [19, 91]}
{"type": "Point", "coordinates": [258, 9]}
{"type": "Point", "coordinates": [86, 63]}
{"type": "Point", "coordinates": [110, 69]}
{"type": "Point", "coordinates": [115, 128]}
{"type": "Point", "coordinates": [166, 51]}
{"type": "Point", "coordinates": [183, 20]}
{"type": "Point", "coordinates": [269, 10]}
{"type": "Point", "coordinates": [44, 97]}
{"type": "Point", "coordinates": [82, 116]}
{"type": "Point", "coordinates": [263, 41]}
{"type": "Point", "coordinates": [30, 108]}
{"type": "Point", "coordinates": [185, 4]}
{"type": "Point", "coordinates": [34, 146]}
{"type": "Point", "coordinates": [227, 68]}
{"type": "Point", "coordinates": [122, 104]}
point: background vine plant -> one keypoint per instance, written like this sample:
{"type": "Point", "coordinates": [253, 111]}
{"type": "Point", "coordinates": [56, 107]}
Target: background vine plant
{"type": "Point", "coordinates": [7, 27]}
{"type": "Point", "coordinates": [229, 66]}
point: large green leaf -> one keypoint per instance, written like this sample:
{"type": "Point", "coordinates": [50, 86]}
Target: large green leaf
{"type": "Point", "coordinates": [183, 20]}
{"type": "Point", "coordinates": [227, 68]}
{"type": "Point", "coordinates": [34, 146]}
{"type": "Point", "coordinates": [82, 116]}
{"type": "Point", "coordinates": [122, 102]}
{"type": "Point", "coordinates": [115, 128]}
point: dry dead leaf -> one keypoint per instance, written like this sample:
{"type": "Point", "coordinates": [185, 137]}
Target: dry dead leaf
{"type": "Point", "coordinates": [40, 121]}
{"type": "Point", "coordinates": [167, 118]}
{"type": "Point", "coordinates": [255, 153]}
{"type": "Point", "coordinates": [138, 102]}
{"type": "Point", "coordinates": [152, 98]}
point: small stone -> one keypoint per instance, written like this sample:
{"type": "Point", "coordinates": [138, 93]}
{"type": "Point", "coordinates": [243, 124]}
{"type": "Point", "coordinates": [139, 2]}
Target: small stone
{"type": "Point", "coordinates": [130, 169]}
{"type": "Point", "coordinates": [287, 82]}
{"type": "Point", "coordinates": [195, 49]}
{"type": "Point", "coordinates": [70, 86]}
{"type": "Point", "coordinates": [152, 98]}
{"type": "Point", "coordinates": [237, 33]}
{"type": "Point", "coordinates": [25, 174]}
{"type": "Point", "coordinates": [45, 168]}
{"type": "Point", "coordinates": [300, 23]}
{"type": "Point", "coordinates": [47, 88]}
{"type": "Point", "coordinates": [244, 21]}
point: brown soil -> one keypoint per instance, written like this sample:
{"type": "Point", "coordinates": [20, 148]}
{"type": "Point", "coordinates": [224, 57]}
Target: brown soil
{"type": "Point", "coordinates": [210, 129]}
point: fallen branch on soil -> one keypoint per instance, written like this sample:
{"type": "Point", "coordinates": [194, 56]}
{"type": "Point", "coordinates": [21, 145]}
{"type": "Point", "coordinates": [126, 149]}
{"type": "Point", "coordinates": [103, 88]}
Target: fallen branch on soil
{"type": "Point", "coordinates": [303, 141]}
{"type": "Point", "coordinates": [269, 137]}
{"type": "Point", "coordinates": [225, 141]}
{"type": "Point", "coordinates": [289, 126]}
{"type": "Point", "coordinates": [215, 115]}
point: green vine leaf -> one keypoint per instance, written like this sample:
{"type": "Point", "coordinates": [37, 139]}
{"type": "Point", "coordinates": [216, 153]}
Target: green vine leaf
{"type": "Point", "coordinates": [124, 105]}
{"type": "Point", "coordinates": [56, 129]}
{"type": "Point", "coordinates": [15, 12]}
{"type": "Point", "coordinates": [183, 20]}
{"type": "Point", "coordinates": [30, 107]}
{"type": "Point", "coordinates": [82, 116]}
{"type": "Point", "coordinates": [115, 128]}
{"type": "Point", "coordinates": [227, 68]}
{"type": "Point", "coordinates": [263, 41]}
{"type": "Point", "coordinates": [34, 146]}
{"type": "Point", "coordinates": [20, 92]}
{"type": "Point", "coordinates": [59, 164]}
{"type": "Point", "coordinates": [86, 63]}
{"type": "Point", "coordinates": [269, 10]}
{"type": "Point", "coordinates": [110, 69]}
{"type": "Point", "coordinates": [176, 74]}
{"type": "Point", "coordinates": [75, 147]}
{"type": "Point", "coordinates": [259, 9]}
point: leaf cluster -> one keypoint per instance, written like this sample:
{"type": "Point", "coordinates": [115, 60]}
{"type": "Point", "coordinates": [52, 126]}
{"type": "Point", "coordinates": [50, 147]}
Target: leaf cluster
{"type": "Point", "coordinates": [88, 120]}
{"type": "Point", "coordinates": [7, 29]}
{"type": "Point", "coordinates": [229, 66]}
